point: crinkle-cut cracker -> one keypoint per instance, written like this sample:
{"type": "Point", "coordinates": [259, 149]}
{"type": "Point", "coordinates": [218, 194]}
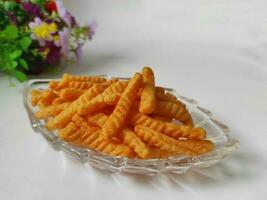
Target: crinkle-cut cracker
{"type": "Point", "coordinates": [78, 120]}
{"type": "Point", "coordinates": [65, 116]}
{"type": "Point", "coordinates": [98, 103]}
{"type": "Point", "coordinates": [115, 88]}
{"type": "Point", "coordinates": [119, 116]}
{"type": "Point", "coordinates": [106, 146]}
{"type": "Point", "coordinates": [80, 85]}
{"type": "Point", "coordinates": [161, 141]}
{"type": "Point", "coordinates": [200, 146]}
{"type": "Point", "coordinates": [47, 98]}
{"type": "Point", "coordinates": [58, 101]}
{"type": "Point", "coordinates": [36, 96]}
{"type": "Point", "coordinates": [70, 94]}
{"type": "Point", "coordinates": [50, 111]}
{"type": "Point", "coordinates": [186, 118]}
{"type": "Point", "coordinates": [161, 118]}
{"type": "Point", "coordinates": [70, 129]}
{"type": "Point", "coordinates": [53, 84]}
{"type": "Point", "coordinates": [98, 119]}
{"type": "Point", "coordinates": [156, 153]}
{"type": "Point", "coordinates": [169, 109]}
{"type": "Point", "coordinates": [68, 78]}
{"type": "Point", "coordinates": [148, 75]}
{"type": "Point", "coordinates": [129, 138]}
{"type": "Point", "coordinates": [148, 99]}
{"type": "Point", "coordinates": [170, 129]}
{"type": "Point", "coordinates": [87, 133]}
{"type": "Point", "coordinates": [159, 90]}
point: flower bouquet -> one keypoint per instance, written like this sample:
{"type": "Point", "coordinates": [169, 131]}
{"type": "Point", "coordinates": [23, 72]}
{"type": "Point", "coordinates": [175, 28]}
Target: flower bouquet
{"type": "Point", "coordinates": [37, 35]}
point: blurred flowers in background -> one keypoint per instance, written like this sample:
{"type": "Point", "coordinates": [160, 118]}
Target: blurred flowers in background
{"type": "Point", "coordinates": [36, 35]}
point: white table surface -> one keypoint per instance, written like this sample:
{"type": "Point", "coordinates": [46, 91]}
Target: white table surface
{"type": "Point", "coordinates": [212, 51]}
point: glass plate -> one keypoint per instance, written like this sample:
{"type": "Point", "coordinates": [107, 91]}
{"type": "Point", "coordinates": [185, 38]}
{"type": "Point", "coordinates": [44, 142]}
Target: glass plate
{"type": "Point", "coordinates": [217, 132]}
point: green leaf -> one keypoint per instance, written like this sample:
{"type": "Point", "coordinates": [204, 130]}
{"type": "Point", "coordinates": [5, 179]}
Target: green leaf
{"type": "Point", "coordinates": [15, 54]}
{"type": "Point", "coordinates": [23, 64]}
{"type": "Point", "coordinates": [11, 32]}
{"type": "Point", "coordinates": [14, 64]}
{"type": "Point", "coordinates": [20, 75]}
{"type": "Point", "coordinates": [25, 42]}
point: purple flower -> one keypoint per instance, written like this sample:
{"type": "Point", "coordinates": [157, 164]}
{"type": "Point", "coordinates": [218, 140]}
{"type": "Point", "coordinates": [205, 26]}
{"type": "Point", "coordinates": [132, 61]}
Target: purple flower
{"type": "Point", "coordinates": [54, 54]}
{"type": "Point", "coordinates": [32, 9]}
{"type": "Point", "coordinates": [12, 18]}
{"type": "Point", "coordinates": [91, 29]}
{"type": "Point", "coordinates": [78, 52]}
{"type": "Point", "coordinates": [64, 41]}
{"type": "Point", "coordinates": [65, 15]}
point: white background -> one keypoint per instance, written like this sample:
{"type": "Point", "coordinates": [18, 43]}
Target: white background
{"type": "Point", "coordinates": [214, 51]}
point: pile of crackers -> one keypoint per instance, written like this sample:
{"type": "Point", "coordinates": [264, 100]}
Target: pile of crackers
{"type": "Point", "coordinates": [133, 118]}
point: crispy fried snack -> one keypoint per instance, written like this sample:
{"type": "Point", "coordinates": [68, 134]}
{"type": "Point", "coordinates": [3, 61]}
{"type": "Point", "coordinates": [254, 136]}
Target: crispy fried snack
{"type": "Point", "coordinates": [196, 147]}
{"type": "Point", "coordinates": [70, 94]}
{"type": "Point", "coordinates": [67, 78]}
{"type": "Point", "coordinates": [36, 96]}
{"type": "Point", "coordinates": [115, 88]}
{"type": "Point", "coordinates": [50, 111]}
{"type": "Point", "coordinates": [98, 119]}
{"type": "Point", "coordinates": [169, 129]}
{"type": "Point", "coordinates": [172, 110]}
{"type": "Point", "coordinates": [58, 101]}
{"type": "Point", "coordinates": [161, 118]}
{"type": "Point", "coordinates": [98, 103]}
{"type": "Point", "coordinates": [80, 85]}
{"type": "Point", "coordinates": [53, 84]}
{"type": "Point", "coordinates": [64, 117]}
{"type": "Point", "coordinates": [70, 129]}
{"type": "Point", "coordinates": [161, 141]}
{"type": "Point", "coordinates": [129, 138]}
{"type": "Point", "coordinates": [47, 98]}
{"type": "Point", "coordinates": [159, 90]}
{"type": "Point", "coordinates": [118, 117]}
{"type": "Point", "coordinates": [148, 99]}
{"type": "Point", "coordinates": [159, 153]}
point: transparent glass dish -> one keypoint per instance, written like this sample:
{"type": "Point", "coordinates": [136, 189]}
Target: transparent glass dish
{"type": "Point", "coordinates": [217, 132]}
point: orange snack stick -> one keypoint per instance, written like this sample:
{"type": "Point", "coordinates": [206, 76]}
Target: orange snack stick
{"type": "Point", "coordinates": [65, 116]}
{"type": "Point", "coordinates": [186, 118]}
{"type": "Point", "coordinates": [129, 138]}
{"type": "Point", "coordinates": [170, 129]}
{"type": "Point", "coordinates": [148, 99]}
{"type": "Point", "coordinates": [98, 103]}
{"type": "Point", "coordinates": [53, 84]}
{"type": "Point", "coordinates": [68, 78]}
{"type": "Point", "coordinates": [159, 90]}
{"type": "Point", "coordinates": [98, 119]}
{"type": "Point", "coordinates": [70, 129]}
{"type": "Point", "coordinates": [80, 85]}
{"type": "Point", "coordinates": [159, 153]}
{"type": "Point", "coordinates": [161, 118]}
{"type": "Point", "coordinates": [169, 109]}
{"type": "Point", "coordinates": [47, 98]}
{"type": "Point", "coordinates": [198, 146]}
{"type": "Point", "coordinates": [70, 94]}
{"type": "Point", "coordinates": [115, 88]}
{"type": "Point", "coordinates": [36, 96]}
{"type": "Point", "coordinates": [161, 141]}
{"type": "Point", "coordinates": [50, 111]}
{"type": "Point", "coordinates": [58, 101]}
{"type": "Point", "coordinates": [118, 117]}
{"type": "Point", "coordinates": [166, 97]}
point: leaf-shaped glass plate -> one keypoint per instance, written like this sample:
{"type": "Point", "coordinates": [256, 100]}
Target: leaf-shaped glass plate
{"type": "Point", "coordinates": [216, 132]}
